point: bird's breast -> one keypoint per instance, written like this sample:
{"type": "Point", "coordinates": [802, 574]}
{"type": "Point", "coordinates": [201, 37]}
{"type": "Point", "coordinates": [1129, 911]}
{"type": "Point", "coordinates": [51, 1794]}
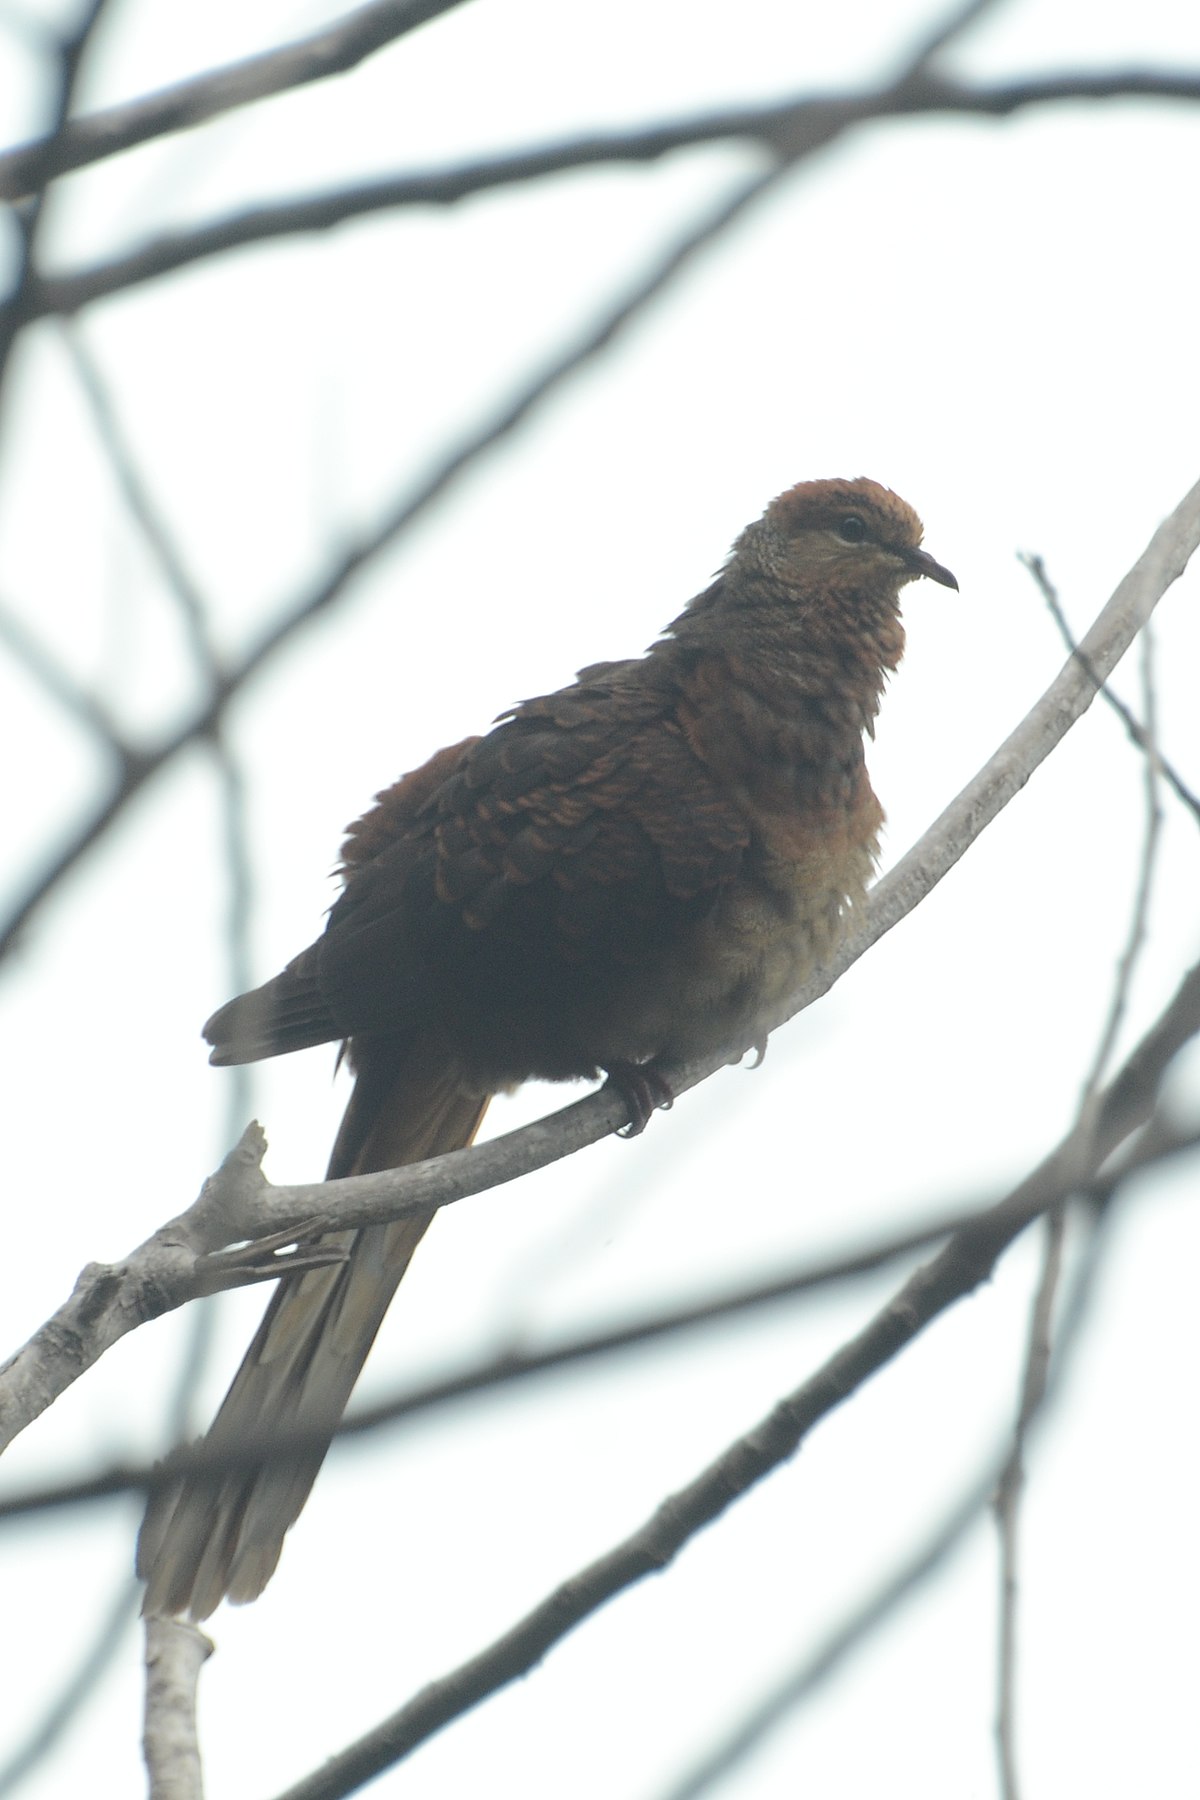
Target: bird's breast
{"type": "Point", "coordinates": [781, 918]}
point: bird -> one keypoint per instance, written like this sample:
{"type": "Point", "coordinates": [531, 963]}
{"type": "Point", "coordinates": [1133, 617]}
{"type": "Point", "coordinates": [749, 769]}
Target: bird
{"type": "Point", "coordinates": [634, 870]}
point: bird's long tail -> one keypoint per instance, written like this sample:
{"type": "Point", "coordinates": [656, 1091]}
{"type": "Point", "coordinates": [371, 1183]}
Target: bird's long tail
{"type": "Point", "coordinates": [205, 1540]}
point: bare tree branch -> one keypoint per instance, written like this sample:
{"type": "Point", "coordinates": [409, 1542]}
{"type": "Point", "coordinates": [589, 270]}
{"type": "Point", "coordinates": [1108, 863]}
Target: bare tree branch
{"type": "Point", "coordinates": [1160, 1142]}
{"type": "Point", "coordinates": [330, 51]}
{"type": "Point", "coordinates": [930, 1555]}
{"type": "Point", "coordinates": [1133, 726]}
{"type": "Point", "coordinates": [17, 1409]}
{"type": "Point", "coordinates": [788, 131]}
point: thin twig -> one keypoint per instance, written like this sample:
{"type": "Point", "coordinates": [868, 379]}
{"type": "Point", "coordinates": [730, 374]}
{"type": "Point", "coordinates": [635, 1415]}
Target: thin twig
{"type": "Point", "coordinates": [195, 612]}
{"type": "Point", "coordinates": [140, 502]}
{"type": "Point", "coordinates": [1135, 940]}
{"type": "Point", "coordinates": [1132, 724]}
{"type": "Point", "coordinates": [1006, 1498]}
{"type": "Point", "coordinates": [947, 31]}
{"type": "Point", "coordinates": [1009, 1492]}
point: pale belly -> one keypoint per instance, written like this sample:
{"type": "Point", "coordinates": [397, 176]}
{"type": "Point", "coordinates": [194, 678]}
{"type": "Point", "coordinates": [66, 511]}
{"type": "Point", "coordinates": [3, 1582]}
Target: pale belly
{"type": "Point", "coordinates": [719, 987]}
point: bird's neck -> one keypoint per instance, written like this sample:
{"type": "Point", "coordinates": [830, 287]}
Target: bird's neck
{"type": "Point", "coordinates": [774, 683]}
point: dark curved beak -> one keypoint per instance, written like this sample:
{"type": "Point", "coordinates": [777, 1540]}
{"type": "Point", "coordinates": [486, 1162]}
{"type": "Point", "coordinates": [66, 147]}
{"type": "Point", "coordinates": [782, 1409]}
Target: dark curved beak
{"type": "Point", "coordinates": [921, 563]}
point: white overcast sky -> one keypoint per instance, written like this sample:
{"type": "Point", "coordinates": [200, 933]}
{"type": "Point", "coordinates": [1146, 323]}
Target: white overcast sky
{"type": "Point", "coordinates": [997, 319]}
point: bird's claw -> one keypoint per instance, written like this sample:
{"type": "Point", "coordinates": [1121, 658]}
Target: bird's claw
{"type": "Point", "coordinates": [644, 1090]}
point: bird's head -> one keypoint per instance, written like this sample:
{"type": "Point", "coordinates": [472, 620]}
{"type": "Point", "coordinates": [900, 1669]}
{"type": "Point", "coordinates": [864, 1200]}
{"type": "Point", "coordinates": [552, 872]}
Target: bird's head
{"type": "Point", "coordinates": [839, 536]}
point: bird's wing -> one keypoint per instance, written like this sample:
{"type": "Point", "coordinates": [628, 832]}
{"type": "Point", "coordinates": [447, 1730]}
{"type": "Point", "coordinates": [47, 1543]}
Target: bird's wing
{"type": "Point", "coordinates": [292, 1011]}
{"type": "Point", "coordinates": [583, 830]}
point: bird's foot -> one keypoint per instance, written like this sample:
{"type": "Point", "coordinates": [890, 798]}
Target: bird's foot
{"type": "Point", "coordinates": [643, 1090]}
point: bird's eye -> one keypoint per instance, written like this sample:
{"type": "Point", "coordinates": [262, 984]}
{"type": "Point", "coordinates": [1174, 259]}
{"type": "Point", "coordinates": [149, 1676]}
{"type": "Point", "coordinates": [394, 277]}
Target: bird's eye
{"type": "Point", "coordinates": [851, 530]}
